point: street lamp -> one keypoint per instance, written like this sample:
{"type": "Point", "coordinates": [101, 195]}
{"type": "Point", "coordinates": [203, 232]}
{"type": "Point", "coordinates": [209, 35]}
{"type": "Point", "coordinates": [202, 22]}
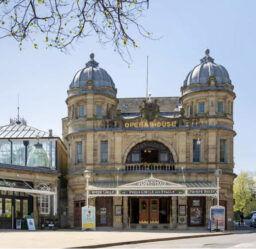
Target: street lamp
{"type": "Point", "coordinates": [87, 176]}
{"type": "Point", "coordinates": [218, 174]}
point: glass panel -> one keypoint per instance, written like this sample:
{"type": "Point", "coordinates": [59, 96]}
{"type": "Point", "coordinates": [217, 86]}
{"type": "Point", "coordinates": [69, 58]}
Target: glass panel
{"type": "Point", "coordinates": [78, 152]}
{"type": "Point", "coordinates": [135, 157]}
{"type": "Point", "coordinates": [25, 208]}
{"type": "Point", "coordinates": [163, 157]}
{"type": "Point", "coordinates": [196, 150]}
{"type": "Point", "coordinates": [99, 111]}
{"type": "Point", "coordinates": [81, 111]}
{"type": "Point", "coordinates": [144, 205]}
{"type": "Point", "coordinates": [5, 152]}
{"type": "Point", "coordinates": [50, 149]}
{"type": "Point", "coordinates": [18, 153]}
{"type": "Point", "coordinates": [201, 108]}
{"type": "Point", "coordinates": [104, 151]}
{"type": "Point", "coordinates": [154, 205]}
{"type": "Point", "coordinates": [103, 216]}
{"type": "Point", "coordinates": [17, 208]}
{"type": "Point", "coordinates": [222, 151]}
{"type": "Point", "coordinates": [1, 207]}
{"type": "Point", "coordinates": [8, 208]}
{"type": "Point", "coordinates": [220, 107]}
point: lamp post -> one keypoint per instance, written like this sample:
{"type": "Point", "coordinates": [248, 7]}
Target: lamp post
{"type": "Point", "coordinates": [218, 174]}
{"type": "Point", "coordinates": [87, 176]}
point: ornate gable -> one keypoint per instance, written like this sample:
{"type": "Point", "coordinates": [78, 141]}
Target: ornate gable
{"type": "Point", "coordinates": [152, 182]}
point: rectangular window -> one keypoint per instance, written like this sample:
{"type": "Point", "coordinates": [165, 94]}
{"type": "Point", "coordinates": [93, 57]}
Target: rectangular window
{"type": "Point", "coordinates": [201, 107]}
{"type": "Point", "coordinates": [163, 157]}
{"type": "Point", "coordinates": [188, 110]}
{"type": "Point", "coordinates": [135, 157]}
{"type": "Point", "coordinates": [44, 202]}
{"type": "Point", "coordinates": [104, 151]}
{"type": "Point", "coordinates": [196, 150]}
{"type": "Point", "coordinates": [18, 153]}
{"type": "Point", "coordinates": [99, 111]}
{"type": "Point", "coordinates": [78, 152]}
{"type": "Point", "coordinates": [222, 151]}
{"type": "Point", "coordinates": [5, 152]}
{"type": "Point", "coordinates": [220, 107]}
{"type": "Point", "coordinates": [81, 112]}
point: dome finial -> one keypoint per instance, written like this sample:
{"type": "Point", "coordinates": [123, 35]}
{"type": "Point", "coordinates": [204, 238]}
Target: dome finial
{"type": "Point", "coordinates": [92, 56]}
{"type": "Point", "coordinates": [207, 52]}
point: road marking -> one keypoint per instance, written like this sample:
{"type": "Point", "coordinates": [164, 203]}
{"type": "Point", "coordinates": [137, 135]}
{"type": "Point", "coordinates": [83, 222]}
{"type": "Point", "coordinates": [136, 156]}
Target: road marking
{"type": "Point", "coordinates": [244, 245]}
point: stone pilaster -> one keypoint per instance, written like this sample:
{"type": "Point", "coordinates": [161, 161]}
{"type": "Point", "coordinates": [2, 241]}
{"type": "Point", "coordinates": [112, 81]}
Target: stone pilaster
{"type": "Point", "coordinates": [117, 212]}
{"type": "Point", "coordinates": [182, 219]}
{"type": "Point", "coordinates": [174, 212]}
{"type": "Point", "coordinates": [125, 212]}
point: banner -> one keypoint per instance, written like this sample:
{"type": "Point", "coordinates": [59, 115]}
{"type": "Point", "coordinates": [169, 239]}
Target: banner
{"type": "Point", "coordinates": [217, 214]}
{"type": "Point", "coordinates": [88, 218]}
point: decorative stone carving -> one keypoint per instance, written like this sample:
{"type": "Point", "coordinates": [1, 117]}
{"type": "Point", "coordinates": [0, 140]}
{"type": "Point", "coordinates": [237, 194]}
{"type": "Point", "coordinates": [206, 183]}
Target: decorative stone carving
{"type": "Point", "coordinates": [149, 111]}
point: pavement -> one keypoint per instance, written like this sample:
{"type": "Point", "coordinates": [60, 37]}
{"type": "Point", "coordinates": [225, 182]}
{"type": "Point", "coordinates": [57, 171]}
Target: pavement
{"type": "Point", "coordinates": [93, 239]}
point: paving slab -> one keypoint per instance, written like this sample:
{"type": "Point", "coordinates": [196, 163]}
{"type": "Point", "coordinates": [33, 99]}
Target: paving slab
{"type": "Point", "coordinates": [89, 239]}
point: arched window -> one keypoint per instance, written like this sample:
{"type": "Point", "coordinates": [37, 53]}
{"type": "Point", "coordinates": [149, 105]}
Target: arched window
{"type": "Point", "coordinates": [150, 152]}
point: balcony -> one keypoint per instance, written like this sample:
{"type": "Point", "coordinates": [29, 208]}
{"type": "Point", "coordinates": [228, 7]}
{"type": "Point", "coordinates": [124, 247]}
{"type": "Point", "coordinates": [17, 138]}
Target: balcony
{"type": "Point", "coordinates": [149, 167]}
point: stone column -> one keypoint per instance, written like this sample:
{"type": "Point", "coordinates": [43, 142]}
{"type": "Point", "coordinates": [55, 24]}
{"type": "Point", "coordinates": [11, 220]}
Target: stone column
{"type": "Point", "coordinates": [36, 211]}
{"type": "Point", "coordinates": [125, 212]}
{"type": "Point", "coordinates": [174, 212]}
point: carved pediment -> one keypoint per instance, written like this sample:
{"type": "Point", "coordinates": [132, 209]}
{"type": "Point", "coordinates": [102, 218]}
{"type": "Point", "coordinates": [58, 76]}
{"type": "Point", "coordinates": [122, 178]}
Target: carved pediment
{"type": "Point", "coordinates": [152, 182]}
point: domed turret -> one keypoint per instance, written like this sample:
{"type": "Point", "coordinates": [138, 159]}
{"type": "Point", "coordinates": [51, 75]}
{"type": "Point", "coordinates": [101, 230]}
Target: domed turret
{"type": "Point", "coordinates": [207, 68]}
{"type": "Point", "coordinates": [94, 74]}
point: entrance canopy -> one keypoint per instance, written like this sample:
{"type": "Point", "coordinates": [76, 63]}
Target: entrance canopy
{"type": "Point", "coordinates": [153, 187]}
{"type": "Point", "coordinates": [22, 187]}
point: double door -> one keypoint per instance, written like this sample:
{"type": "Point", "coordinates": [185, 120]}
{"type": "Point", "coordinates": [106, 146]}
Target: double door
{"type": "Point", "coordinates": [12, 209]}
{"type": "Point", "coordinates": [148, 211]}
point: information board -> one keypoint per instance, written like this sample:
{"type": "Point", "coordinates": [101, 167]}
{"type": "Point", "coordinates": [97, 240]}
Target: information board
{"type": "Point", "coordinates": [217, 214]}
{"type": "Point", "coordinates": [88, 218]}
{"type": "Point", "coordinates": [31, 224]}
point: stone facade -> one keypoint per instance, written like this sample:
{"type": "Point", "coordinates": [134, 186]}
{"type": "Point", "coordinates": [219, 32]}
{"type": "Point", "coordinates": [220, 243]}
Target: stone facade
{"type": "Point", "coordinates": [175, 122]}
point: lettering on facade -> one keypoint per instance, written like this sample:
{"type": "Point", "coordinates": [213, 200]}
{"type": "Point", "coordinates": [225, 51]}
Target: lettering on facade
{"type": "Point", "coordinates": [13, 184]}
{"type": "Point", "coordinates": [202, 191]}
{"type": "Point", "coordinates": [152, 192]}
{"type": "Point", "coordinates": [102, 192]}
{"type": "Point", "coordinates": [152, 124]}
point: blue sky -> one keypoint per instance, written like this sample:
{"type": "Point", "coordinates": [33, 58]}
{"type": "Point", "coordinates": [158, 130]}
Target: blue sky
{"type": "Point", "coordinates": [185, 27]}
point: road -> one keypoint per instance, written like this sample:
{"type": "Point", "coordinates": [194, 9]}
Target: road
{"type": "Point", "coordinates": [247, 240]}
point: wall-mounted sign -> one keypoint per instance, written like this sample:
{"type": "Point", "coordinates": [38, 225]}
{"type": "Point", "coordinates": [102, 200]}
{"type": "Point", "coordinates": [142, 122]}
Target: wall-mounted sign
{"type": "Point", "coordinates": [102, 192]}
{"type": "Point", "coordinates": [217, 215]}
{"type": "Point", "coordinates": [152, 124]}
{"type": "Point", "coordinates": [152, 192]}
{"type": "Point", "coordinates": [15, 184]}
{"type": "Point", "coordinates": [88, 218]}
{"type": "Point", "coordinates": [202, 191]}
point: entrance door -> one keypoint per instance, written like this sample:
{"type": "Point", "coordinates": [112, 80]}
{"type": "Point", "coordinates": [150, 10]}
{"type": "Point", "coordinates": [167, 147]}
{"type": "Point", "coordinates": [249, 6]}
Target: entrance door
{"type": "Point", "coordinates": [78, 213]}
{"type": "Point", "coordinates": [144, 211]}
{"type": "Point", "coordinates": [104, 211]}
{"type": "Point", "coordinates": [154, 211]}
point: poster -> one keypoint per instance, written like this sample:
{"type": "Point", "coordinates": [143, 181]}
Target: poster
{"type": "Point", "coordinates": [31, 224]}
{"type": "Point", "coordinates": [18, 224]}
{"type": "Point", "coordinates": [217, 214]}
{"type": "Point", "coordinates": [88, 218]}
{"type": "Point", "coordinates": [196, 215]}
